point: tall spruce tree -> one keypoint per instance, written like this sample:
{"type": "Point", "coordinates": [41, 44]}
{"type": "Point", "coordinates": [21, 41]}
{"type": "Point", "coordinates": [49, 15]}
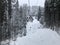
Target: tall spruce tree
{"type": "Point", "coordinates": [39, 13]}
{"type": "Point", "coordinates": [4, 16]}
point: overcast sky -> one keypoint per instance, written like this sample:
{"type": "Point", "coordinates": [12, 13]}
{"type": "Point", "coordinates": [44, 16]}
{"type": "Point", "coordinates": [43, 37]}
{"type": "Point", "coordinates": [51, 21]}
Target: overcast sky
{"type": "Point", "coordinates": [32, 2]}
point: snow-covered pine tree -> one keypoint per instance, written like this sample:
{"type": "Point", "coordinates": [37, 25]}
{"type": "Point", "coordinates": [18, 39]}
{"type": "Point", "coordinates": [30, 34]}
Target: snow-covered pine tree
{"type": "Point", "coordinates": [23, 19]}
{"type": "Point", "coordinates": [5, 16]}
{"type": "Point", "coordinates": [52, 11]}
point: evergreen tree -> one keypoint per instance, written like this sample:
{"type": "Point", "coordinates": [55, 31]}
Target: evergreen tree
{"type": "Point", "coordinates": [4, 16]}
{"type": "Point", "coordinates": [52, 11]}
{"type": "Point", "coordinates": [39, 13]}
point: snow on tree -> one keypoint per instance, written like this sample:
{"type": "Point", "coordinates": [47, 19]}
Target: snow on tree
{"type": "Point", "coordinates": [52, 14]}
{"type": "Point", "coordinates": [5, 16]}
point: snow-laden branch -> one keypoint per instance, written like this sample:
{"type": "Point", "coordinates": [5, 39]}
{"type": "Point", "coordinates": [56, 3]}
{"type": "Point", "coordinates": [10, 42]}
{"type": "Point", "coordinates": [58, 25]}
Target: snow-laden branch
{"type": "Point", "coordinates": [13, 3]}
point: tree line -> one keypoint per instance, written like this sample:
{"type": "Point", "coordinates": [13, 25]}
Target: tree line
{"type": "Point", "coordinates": [12, 20]}
{"type": "Point", "coordinates": [52, 13]}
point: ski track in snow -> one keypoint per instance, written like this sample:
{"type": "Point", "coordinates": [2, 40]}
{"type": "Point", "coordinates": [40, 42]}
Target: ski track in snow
{"type": "Point", "coordinates": [37, 35]}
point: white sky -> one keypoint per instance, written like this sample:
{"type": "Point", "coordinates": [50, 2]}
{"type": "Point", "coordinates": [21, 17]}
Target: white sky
{"type": "Point", "coordinates": [32, 2]}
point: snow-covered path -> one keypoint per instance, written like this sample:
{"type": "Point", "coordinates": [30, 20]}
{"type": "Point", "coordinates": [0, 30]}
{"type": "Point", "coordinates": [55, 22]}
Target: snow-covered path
{"type": "Point", "coordinates": [38, 36]}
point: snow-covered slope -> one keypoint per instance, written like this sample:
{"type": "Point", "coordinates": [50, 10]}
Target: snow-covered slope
{"type": "Point", "coordinates": [38, 36]}
{"type": "Point", "coordinates": [32, 27]}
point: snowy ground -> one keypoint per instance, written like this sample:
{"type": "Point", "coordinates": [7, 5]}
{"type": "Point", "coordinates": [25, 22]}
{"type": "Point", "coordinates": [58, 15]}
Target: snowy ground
{"type": "Point", "coordinates": [37, 35]}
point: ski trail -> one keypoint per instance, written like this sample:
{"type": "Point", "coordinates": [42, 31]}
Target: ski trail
{"type": "Point", "coordinates": [38, 36]}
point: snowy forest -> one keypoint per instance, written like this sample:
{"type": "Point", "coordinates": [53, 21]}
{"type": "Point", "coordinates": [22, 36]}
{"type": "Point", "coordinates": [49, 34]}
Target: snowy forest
{"type": "Point", "coordinates": [29, 25]}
